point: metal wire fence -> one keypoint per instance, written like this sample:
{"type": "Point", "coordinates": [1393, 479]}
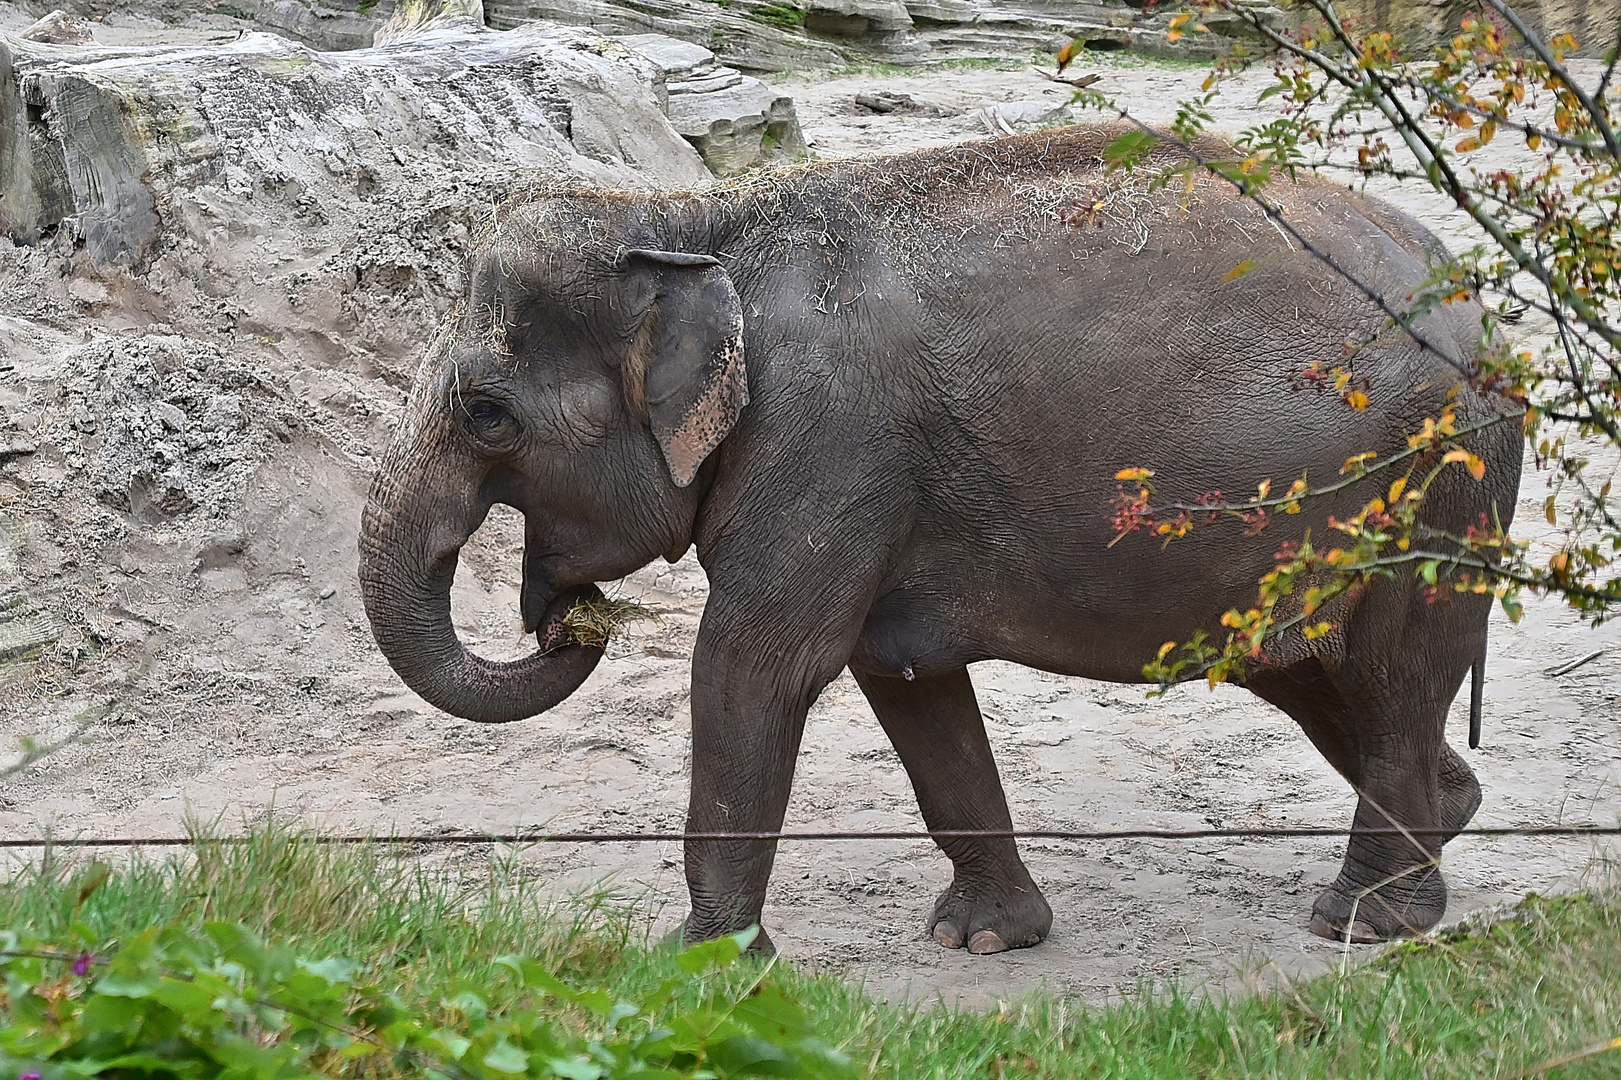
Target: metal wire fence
{"type": "Point", "coordinates": [541, 837]}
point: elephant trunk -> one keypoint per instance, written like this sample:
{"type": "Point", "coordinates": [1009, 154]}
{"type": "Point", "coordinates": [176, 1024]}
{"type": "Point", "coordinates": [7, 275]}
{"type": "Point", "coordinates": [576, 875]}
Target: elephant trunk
{"type": "Point", "coordinates": [411, 534]}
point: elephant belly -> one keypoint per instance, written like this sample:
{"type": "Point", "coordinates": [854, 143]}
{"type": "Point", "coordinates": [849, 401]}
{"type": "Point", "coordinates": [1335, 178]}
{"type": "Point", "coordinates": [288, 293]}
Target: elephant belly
{"type": "Point", "coordinates": [907, 636]}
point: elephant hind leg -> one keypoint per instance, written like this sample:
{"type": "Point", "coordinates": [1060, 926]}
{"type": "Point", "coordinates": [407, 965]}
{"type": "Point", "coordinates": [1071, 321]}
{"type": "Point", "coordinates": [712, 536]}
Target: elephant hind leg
{"type": "Point", "coordinates": [934, 722]}
{"type": "Point", "coordinates": [1379, 716]}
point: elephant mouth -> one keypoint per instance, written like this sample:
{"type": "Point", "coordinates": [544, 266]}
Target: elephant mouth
{"type": "Point", "coordinates": [549, 623]}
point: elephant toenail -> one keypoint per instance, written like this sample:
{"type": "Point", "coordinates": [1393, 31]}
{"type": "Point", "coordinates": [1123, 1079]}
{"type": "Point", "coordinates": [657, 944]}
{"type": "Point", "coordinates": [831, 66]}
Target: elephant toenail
{"type": "Point", "coordinates": [946, 934]}
{"type": "Point", "coordinates": [986, 941]}
{"type": "Point", "coordinates": [1362, 933]}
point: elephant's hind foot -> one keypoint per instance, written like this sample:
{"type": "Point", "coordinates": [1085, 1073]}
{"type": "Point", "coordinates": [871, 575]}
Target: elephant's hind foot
{"type": "Point", "coordinates": [990, 918]}
{"type": "Point", "coordinates": [1393, 910]}
{"type": "Point", "coordinates": [1401, 909]}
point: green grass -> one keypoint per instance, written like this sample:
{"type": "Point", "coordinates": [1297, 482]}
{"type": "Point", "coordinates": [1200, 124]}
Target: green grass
{"type": "Point", "coordinates": [783, 16]}
{"type": "Point", "coordinates": [1487, 1002]}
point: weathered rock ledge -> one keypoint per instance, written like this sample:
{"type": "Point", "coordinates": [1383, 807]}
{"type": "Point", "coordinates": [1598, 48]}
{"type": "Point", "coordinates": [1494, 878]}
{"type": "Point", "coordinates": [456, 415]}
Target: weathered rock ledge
{"type": "Point", "coordinates": [114, 144]}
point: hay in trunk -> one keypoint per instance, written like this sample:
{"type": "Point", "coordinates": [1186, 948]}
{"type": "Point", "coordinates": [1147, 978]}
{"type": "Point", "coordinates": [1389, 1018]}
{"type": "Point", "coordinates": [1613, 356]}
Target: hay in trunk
{"type": "Point", "coordinates": [593, 622]}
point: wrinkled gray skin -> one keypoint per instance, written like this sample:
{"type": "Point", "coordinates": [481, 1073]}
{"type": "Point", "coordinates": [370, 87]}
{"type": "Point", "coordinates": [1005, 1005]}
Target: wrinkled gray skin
{"type": "Point", "coordinates": [887, 402]}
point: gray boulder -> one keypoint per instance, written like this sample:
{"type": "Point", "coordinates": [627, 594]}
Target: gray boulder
{"type": "Point", "coordinates": [59, 28]}
{"type": "Point", "coordinates": [733, 120]}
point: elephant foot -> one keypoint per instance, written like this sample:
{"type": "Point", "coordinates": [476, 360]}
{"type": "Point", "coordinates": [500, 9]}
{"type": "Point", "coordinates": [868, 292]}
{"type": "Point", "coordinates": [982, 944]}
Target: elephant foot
{"type": "Point", "coordinates": [761, 946]}
{"type": "Point", "coordinates": [1353, 913]}
{"type": "Point", "coordinates": [990, 917]}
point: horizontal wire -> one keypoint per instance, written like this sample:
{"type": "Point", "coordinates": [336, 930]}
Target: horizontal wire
{"type": "Point", "coordinates": [935, 834]}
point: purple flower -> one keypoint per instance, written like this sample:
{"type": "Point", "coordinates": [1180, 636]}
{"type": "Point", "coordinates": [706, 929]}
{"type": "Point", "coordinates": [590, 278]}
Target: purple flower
{"type": "Point", "coordinates": [81, 966]}
{"type": "Point", "coordinates": [31, 1074]}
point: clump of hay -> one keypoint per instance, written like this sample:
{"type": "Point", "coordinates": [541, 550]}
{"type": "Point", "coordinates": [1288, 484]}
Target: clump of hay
{"type": "Point", "coordinates": [593, 622]}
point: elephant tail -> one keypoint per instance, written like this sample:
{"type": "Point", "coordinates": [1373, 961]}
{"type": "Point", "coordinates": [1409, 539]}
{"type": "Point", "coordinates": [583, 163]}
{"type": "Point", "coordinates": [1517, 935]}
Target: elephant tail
{"type": "Point", "coordinates": [1477, 690]}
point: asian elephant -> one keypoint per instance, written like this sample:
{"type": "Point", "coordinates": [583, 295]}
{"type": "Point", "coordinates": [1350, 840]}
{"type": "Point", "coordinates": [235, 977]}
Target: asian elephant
{"type": "Point", "coordinates": [887, 401]}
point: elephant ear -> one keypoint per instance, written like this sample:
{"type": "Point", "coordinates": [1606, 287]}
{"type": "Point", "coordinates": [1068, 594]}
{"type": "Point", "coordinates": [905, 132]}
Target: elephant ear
{"type": "Point", "coordinates": [685, 365]}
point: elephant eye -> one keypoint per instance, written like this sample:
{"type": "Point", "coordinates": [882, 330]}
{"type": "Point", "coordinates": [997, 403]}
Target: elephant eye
{"type": "Point", "coordinates": [490, 422]}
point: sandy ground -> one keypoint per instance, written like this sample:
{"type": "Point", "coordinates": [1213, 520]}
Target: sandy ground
{"type": "Point", "coordinates": [224, 664]}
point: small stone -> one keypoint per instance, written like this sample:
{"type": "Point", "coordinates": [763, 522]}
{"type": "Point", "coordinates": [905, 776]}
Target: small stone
{"type": "Point", "coordinates": [172, 416]}
{"type": "Point", "coordinates": [224, 414]}
{"type": "Point", "coordinates": [59, 28]}
{"type": "Point", "coordinates": [329, 592]}
{"type": "Point", "coordinates": [87, 292]}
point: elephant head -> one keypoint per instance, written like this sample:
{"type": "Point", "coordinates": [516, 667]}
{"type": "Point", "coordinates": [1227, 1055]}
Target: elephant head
{"type": "Point", "coordinates": [585, 389]}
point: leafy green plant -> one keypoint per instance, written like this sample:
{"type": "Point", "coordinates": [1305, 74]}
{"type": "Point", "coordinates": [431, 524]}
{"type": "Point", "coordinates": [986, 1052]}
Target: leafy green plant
{"type": "Point", "coordinates": [472, 951]}
{"type": "Point", "coordinates": [219, 1001]}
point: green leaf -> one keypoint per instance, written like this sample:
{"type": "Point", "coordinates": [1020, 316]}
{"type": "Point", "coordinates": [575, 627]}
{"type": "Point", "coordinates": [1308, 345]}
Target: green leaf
{"type": "Point", "coordinates": [235, 1052]}
{"type": "Point", "coordinates": [751, 1055]}
{"type": "Point", "coordinates": [334, 969]}
{"type": "Point", "coordinates": [532, 975]}
{"type": "Point", "coordinates": [469, 1005]}
{"type": "Point", "coordinates": [772, 1015]}
{"type": "Point", "coordinates": [453, 1044]}
{"type": "Point", "coordinates": [576, 1068]}
{"type": "Point", "coordinates": [132, 983]}
{"type": "Point", "coordinates": [504, 1057]}
{"type": "Point", "coordinates": [716, 953]}
{"type": "Point", "coordinates": [109, 1014]}
{"type": "Point", "coordinates": [1125, 150]}
{"type": "Point", "coordinates": [183, 996]}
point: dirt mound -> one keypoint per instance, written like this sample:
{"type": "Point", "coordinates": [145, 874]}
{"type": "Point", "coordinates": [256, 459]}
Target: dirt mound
{"type": "Point", "coordinates": [162, 425]}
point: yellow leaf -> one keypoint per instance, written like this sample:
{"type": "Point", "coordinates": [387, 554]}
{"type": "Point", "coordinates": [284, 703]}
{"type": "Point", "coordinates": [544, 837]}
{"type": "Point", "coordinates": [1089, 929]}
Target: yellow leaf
{"type": "Point", "coordinates": [1548, 510]}
{"type": "Point", "coordinates": [1403, 544]}
{"type": "Point", "coordinates": [1165, 649]}
{"type": "Point", "coordinates": [1455, 455]}
{"type": "Point", "coordinates": [1533, 141]}
{"type": "Point", "coordinates": [1355, 461]}
{"type": "Point", "coordinates": [1357, 400]}
{"type": "Point", "coordinates": [1377, 506]}
{"type": "Point", "coordinates": [1134, 474]}
{"type": "Point", "coordinates": [1238, 271]}
{"type": "Point", "coordinates": [1466, 145]}
{"type": "Point", "coordinates": [1397, 488]}
{"type": "Point", "coordinates": [1476, 467]}
{"type": "Point", "coordinates": [1316, 631]}
{"type": "Point", "coordinates": [1263, 488]}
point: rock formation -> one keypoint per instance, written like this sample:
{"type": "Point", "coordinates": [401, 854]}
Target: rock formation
{"type": "Point", "coordinates": [115, 144]}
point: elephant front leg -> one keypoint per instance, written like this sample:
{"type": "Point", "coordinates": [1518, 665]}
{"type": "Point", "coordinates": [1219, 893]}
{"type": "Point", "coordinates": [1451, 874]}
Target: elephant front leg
{"type": "Point", "coordinates": [935, 724]}
{"type": "Point", "coordinates": [748, 716]}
